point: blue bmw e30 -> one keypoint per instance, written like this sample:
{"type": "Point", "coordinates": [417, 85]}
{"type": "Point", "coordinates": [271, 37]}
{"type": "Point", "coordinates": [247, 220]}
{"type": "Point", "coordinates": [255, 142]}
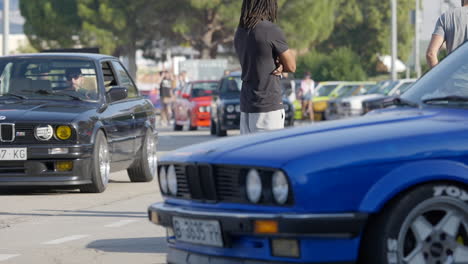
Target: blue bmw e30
{"type": "Point", "coordinates": [390, 187]}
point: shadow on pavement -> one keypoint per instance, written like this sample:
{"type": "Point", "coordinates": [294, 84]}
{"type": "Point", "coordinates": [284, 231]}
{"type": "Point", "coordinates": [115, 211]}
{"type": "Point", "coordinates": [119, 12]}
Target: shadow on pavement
{"type": "Point", "coordinates": [81, 213]}
{"type": "Point", "coordinates": [131, 245]}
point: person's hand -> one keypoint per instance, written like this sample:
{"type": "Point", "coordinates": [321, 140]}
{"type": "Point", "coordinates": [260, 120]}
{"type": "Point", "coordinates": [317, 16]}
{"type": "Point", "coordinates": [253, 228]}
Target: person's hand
{"type": "Point", "coordinates": [278, 71]}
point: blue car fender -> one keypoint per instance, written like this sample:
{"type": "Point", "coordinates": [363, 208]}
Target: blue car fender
{"type": "Point", "coordinates": [410, 175]}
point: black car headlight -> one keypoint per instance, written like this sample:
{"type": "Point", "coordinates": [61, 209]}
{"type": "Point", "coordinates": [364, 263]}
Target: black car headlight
{"type": "Point", "coordinates": [44, 132]}
{"type": "Point", "coordinates": [230, 108]}
{"type": "Point", "coordinates": [238, 108]}
{"type": "Point", "coordinates": [254, 186]}
{"type": "Point", "coordinates": [280, 187]}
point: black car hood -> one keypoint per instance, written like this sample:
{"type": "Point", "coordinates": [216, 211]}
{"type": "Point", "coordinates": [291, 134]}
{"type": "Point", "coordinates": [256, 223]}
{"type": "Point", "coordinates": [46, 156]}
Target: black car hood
{"type": "Point", "coordinates": [66, 111]}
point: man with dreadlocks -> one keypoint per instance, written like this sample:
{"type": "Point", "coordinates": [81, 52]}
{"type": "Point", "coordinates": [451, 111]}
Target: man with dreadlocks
{"type": "Point", "coordinates": [263, 54]}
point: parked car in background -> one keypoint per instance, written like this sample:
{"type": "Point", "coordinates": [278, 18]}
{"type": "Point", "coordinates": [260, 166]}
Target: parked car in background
{"type": "Point", "coordinates": [322, 91]}
{"type": "Point", "coordinates": [341, 91]}
{"type": "Point", "coordinates": [192, 105]}
{"type": "Point", "coordinates": [70, 119]}
{"type": "Point", "coordinates": [225, 106]}
{"type": "Point", "coordinates": [153, 95]}
{"type": "Point", "coordinates": [386, 95]}
{"type": "Point", "coordinates": [335, 105]}
{"type": "Point", "coordinates": [385, 188]}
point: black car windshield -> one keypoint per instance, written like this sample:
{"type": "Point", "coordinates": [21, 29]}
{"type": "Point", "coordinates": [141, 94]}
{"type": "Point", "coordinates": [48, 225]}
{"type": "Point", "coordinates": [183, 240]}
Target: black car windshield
{"type": "Point", "coordinates": [48, 78]}
{"type": "Point", "coordinates": [231, 85]}
{"type": "Point", "coordinates": [201, 89]}
{"type": "Point", "coordinates": [445, 83]}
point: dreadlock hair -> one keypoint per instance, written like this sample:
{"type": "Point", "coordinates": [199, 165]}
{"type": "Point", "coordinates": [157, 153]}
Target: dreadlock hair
{"type": "Point", "coordinates": [253, 11]}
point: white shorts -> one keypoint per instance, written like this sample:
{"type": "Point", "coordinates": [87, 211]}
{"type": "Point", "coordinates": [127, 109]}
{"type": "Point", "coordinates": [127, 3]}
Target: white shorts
{"type": "Point", "coordinates": [256, 122]}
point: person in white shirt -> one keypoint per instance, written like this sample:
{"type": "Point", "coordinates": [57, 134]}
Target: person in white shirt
{"type": "Point", "coordinates": [307, 91]}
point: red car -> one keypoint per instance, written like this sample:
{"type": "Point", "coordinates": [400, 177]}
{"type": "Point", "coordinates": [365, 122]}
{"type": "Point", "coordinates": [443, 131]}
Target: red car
{"type": "Point", "coordinates": [192, 106]}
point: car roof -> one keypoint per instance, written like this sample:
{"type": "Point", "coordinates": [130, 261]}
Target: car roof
{"type": "Point", "coordinates": [91, 56]}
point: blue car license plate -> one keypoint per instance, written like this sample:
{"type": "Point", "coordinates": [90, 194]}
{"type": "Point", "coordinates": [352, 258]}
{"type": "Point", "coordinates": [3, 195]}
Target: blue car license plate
{"type": "Point", "coordinates": [204, 232]}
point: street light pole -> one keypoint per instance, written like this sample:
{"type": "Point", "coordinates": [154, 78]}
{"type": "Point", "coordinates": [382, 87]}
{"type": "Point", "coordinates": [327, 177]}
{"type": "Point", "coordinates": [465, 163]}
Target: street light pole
{"type": "Point", "coordinates": [394, 39]}
{"type": "Point", "coordinates": [417, 42]}
{"type": "Point", "coordinates": [6, 25]}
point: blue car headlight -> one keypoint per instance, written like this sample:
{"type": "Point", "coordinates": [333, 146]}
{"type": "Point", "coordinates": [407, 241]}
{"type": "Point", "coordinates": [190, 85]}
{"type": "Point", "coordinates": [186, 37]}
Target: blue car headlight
{"type": "Point", "coordinates": [280, 187]}
{"type": "Point", "coordinates": [172, 180]}
{"type": "Point", "coordinates": [254, 186]}
{"type": "Point", "coordinates": [163, 180]}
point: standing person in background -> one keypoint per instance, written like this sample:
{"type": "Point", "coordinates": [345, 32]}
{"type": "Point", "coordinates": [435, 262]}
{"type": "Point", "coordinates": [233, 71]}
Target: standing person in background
{"type": "Point", "coordinates": [165, 93]}
{"type": "Point", "coordinates": [308, 91]}
{"type": "Point", "coordinates": [263, 54]}
{"type": "Point", "coordinates": [451, 28]}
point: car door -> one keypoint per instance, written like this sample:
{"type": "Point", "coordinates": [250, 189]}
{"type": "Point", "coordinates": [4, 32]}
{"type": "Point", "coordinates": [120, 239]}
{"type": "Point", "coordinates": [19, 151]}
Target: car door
{"type": "Point", "coordinates": [118, 119]}
{"type": "Point", "coordinates": [141, 108]}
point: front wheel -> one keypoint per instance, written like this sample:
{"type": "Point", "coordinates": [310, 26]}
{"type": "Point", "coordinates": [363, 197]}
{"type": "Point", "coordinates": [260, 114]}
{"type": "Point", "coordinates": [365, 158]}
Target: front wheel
{"type": "Point", "coordinates": [146, 166]}
{"type": "Point", "coordinates": [100, 170]}
{"type": "Point", "coordinates": [426, 225]}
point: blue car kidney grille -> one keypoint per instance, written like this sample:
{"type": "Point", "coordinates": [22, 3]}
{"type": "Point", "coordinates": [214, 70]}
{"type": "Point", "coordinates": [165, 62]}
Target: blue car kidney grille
{"type": "Point", "coordinates": [208, 183]}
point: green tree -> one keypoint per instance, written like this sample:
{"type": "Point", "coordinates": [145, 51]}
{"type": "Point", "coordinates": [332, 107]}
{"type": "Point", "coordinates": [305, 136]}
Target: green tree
{"type": "Point", "coordinates": [342, 64]}
{"type": "Point", "coordinates": [307, 23]}
{"type": "Point", "coordinates": [51, 23]}
{"type": "Point", "coordinates": [114, 25]}
{"type": "Point", "coordinates": [364, 25]}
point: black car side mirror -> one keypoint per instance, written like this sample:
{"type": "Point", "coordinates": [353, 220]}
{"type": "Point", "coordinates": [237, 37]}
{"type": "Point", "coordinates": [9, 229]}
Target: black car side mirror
{"type": "Point", "coordinates": [117, 93]}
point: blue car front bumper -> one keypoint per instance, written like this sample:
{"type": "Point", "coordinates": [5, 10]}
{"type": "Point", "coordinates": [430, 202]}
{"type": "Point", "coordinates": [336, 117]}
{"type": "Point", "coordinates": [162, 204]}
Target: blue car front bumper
{"type": "Point", "coordinates": [321, 238]}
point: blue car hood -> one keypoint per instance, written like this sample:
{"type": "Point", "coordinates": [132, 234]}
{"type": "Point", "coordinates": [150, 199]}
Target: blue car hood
{"type": "Point", "coordinates": [389, 136]}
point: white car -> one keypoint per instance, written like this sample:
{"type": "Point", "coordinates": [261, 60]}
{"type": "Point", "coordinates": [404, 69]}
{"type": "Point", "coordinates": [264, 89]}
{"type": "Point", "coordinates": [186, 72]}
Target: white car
{"type": "Point", "coordinates": [352, 106]}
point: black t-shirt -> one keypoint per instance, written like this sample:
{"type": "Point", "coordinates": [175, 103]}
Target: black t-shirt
{"type": "Point", "coordinates": [165, 88]}
{"type": "Point", "coordinates": [257, 50]}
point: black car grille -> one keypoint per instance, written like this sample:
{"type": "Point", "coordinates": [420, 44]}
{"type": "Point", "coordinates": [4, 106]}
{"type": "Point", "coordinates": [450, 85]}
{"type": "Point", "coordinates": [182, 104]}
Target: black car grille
{"type": "Point", "coordinates": [7, 132]}
{"type": "Point", "coordinates": [209, 183]}
{"type": "Point", "coordinates": [24, 134]}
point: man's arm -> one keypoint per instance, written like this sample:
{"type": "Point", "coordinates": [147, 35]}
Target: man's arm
{"type": "Point", "coordinates": [288, 61]}
{"type": "Point", "coordinates": [433, 50]}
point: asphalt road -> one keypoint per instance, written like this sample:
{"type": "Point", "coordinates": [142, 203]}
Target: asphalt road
{"type": "Point", "coordinates": [65, 226]}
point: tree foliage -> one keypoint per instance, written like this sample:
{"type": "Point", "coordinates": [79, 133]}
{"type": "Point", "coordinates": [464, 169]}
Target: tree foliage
{"type": "Point", "coordinates": [341, 64]}
{"type": "Point", "coordinates": [365, 26]}
{"type": "Point", "coordinates": [51, 23]}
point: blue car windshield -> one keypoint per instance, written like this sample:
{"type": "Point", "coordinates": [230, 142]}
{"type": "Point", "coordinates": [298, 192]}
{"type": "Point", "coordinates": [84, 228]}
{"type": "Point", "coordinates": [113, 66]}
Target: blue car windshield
{"type": "Point", "coordinates": [449, 79]}
{"type": "Point", "coordinates": [46, 78]}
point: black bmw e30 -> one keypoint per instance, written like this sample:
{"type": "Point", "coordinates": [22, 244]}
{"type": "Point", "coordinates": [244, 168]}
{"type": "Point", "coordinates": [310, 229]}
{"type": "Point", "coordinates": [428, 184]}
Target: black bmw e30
{"type": "Point", "coordinates": [70, 119]}
{"type": "Point", "coordinates": [225, 106]}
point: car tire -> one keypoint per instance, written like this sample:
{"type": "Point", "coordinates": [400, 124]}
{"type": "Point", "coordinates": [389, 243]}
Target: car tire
{"type": "Point", "coordinates": [100, 169]}
{"type": "Point", "coordinates": [220, 132]}
{"type": "Point", "coordinates": [428, 224]}
{"type": "Point", "coordinates": [192, 128]}
{"type": "Point", "coordinates": [177, 127]}
{"type": "Point", "coordinates": [212, 127]}
{"type": "Point", "coordinates": [144, 170]}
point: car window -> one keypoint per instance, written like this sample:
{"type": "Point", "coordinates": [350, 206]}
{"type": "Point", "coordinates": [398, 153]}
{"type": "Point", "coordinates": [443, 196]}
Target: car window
{"type": "Point", "coordinates": [449, 78]}
{"type": "Point", "coordinates": [326, 90]}
{"type": "Point", "coordinates": [231, 85]}
{"type": "Point", "coordinates": [203, 89]}
{"type": "Point", "coordinates": [109, 77]}
{"type": "Point", "coordinates": [125, 79]}
{"type": "Point", "coordinates": [46, 78]}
